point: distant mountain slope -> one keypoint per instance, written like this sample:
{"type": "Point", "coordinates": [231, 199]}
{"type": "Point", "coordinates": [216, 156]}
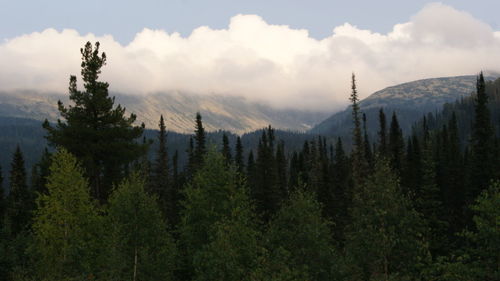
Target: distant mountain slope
{"type": "Point", "coordinates": [234, 114]}
{"type": "Point", "coordinates": [409, 100]}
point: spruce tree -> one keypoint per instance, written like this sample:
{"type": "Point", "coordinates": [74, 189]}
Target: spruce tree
{"type": "Point", "coordinates": [200, 140]}
{"type": "Point", "coordinates": [359, 165]}
{"type": "Point", "coordinates": [94, 130]}
{"type": "Point", "coordinates": [366, 144]}
{"type": "Point", "coordinates": [20, 199]}
{"type": "Point", "coordinates": [208, 199]}
{"type": "Point", "coordinates": [226, 150]}
{"type": "Point", "coordinates": [382, 133]}
{"type": "Point", "coordinates": [41, 172]}
{"type": "Point", "coordinates": [234, 246]}
{"type": "Point", "coordinates": [238, 157]}
{"type": "Point", "coordinates": [482, 144]}
{"type": "Point", "coordinates": [384, 238]}
{"type": "Point", "coordinates": [300, 230]}
{"type": "Point", "coordinates": [266, 191]}
{"type": "Point", "coordinates": [396, 145]}
{"type": "Point", "coordinates": [162, 185]}
{"type": "Point", "coordinates": [342, 193]}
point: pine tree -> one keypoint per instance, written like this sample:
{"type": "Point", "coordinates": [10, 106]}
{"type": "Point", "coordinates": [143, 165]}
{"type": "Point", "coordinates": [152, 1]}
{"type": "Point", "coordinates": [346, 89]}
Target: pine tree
{"type": "Point", "coordinates": [208, 199]}
{"type": "Point", "coordinates": [138, 244]}
{"type": "Point", "coordinates": [266, 191]}
{"type": "Point", "coordinates": [41, 172]}
{"type": "Point", "coordinates": [342, 193]}
{"type": "Point", "coordinates": [382, 133]}
{"type": "Point", "coordinates": [238, 158]}
{"type": "Point", "coordinates": [20, 199]}
{"type": "Point", "coordinates": [482, 144]}
{"type": "Point", "coordinates": [396, 145]}
{"type": "Point", "coordinates": [299, 229]}
{"type": "Point", "coordinates": [384, 237]}
{"type": "Point", "coordinates": [226, 150]}
{"type": "Point", "coordinates": [200, 139]}
{"type": "Point", "coordinates": [359, 165]}
{"type": "Point", "coordinates": [282, 170]}
{"type": "Point", "coordinates": [162, 185]}
{"type": "Point", "coordinates": [94, 130]}
{"type": "Point", "coordinates": [66, 226]}
{"type": "Point", "coordinates": [234, 247]}
{"type": "Point", "coordinates": [428, 202]}
{"type": "Point", "coordinates": [366, 145]}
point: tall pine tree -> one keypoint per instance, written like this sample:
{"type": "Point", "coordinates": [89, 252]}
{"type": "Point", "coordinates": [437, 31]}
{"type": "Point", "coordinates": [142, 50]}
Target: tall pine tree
{"type": "Point", "coordinates": [482, 164]}
{"type": "Point", "coordinates": [94, 130]}
{"type": "Point", "coordinates": [20, 199]}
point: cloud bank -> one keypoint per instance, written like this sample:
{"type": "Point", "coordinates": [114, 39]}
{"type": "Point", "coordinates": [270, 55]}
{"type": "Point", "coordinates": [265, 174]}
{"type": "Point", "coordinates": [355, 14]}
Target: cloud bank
{"type": "Point", "coordinates": [274, 64]}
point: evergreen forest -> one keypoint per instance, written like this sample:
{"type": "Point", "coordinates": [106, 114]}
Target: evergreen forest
{"type": "Point", "coordinates": [106, 201]}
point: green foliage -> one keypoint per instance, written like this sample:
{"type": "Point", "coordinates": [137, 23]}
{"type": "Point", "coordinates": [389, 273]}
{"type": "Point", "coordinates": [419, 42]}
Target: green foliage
{"type": "Point", "coordinates": [138, 244]}
{"type": "Point", "coordinates": [94, 130]}
{"type": "Point", "coordinates": [481, 171]}
{"type": "Point", "coordinates": [484, 247]}
{"type": "Point", "coordinates": [201, 147]}
{"type": "Point", "coordinates": [234, 248]}
{"type": "Point", "coordinates": [384, 239]}
{"type": "Point", "coordinates": [300, 230]}
{"type": "Point", "coordinates": [20, 199]}
{"type": "Point", "coordinates": [209, 199]}
{"type": "Point", "coordinates": [67, 226]}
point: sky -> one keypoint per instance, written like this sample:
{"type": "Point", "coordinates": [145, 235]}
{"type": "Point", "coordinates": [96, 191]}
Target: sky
{"type": "Point", "coordinates": [291, 53]}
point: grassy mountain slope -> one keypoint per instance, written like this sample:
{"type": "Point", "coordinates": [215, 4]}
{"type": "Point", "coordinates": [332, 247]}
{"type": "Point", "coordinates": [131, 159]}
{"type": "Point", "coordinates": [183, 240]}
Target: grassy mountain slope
{"type": "Point", "coordinates": [234, 114]}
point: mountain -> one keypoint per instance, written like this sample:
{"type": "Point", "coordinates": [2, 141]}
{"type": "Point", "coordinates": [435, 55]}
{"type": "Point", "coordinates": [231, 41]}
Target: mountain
{"type": "Point", "coordinates": [219, 112]}
{"type": "Point", "coordinates": [409, 100]}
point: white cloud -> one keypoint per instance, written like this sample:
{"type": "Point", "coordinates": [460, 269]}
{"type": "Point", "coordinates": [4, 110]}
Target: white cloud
{"type": "Point", "coordinates": [271, 63]}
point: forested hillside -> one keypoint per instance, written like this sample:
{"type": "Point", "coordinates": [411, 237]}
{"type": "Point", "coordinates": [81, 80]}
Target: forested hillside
{"type": "Point", "coordinates": [420, 206]}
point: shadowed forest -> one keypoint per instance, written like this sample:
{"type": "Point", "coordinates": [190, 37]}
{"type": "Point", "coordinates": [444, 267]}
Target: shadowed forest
{"type": "Point", "coordinates": [105, 202]}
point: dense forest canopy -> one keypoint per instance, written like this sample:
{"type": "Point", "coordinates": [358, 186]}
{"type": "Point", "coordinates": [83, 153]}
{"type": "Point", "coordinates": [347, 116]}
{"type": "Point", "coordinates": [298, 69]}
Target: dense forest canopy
{"type": "Point", "coordinates": [109, 200]}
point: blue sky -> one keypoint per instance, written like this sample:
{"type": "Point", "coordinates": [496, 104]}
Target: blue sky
{"type": "Point", "coordinates": [123, 19]}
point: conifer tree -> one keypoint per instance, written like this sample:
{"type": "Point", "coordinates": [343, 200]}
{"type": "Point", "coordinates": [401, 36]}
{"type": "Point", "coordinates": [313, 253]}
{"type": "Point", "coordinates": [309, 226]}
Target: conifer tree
{"type": "Point", "coordinates": [342, 193]}
{"type": "Point", "coordinates": [396, 145]}
{"type": "Point", "coordinates": [41, 172]}
{"type": "Point", "coordinates": [428, 202]}
{"type": "Point", "coordinates": [226, 150]}
{"type": "Point", "coordinates": [234, 247]}
{"type": "Point", "coordinates": [66, 226]}
{"type": "Point", "coordinates": [482, 144]}
{"type": "Point", "coordinates": [299, 229]}
{"type": "Point", "coordinates": [208, 199]}
{"type": "Point", "coordinates": [238, 158]}
{"type": "Point", "coordinates": [162, 185]}
{"type": "Point", "coordinates": [282, 169]}
{"type": "Point", "coordinates": [200, 140]}
{"type": "Point", "coordinates": [384, 238]}
{"type": "Point", "coordinates": [358, 161]}
{"type": "Point", "coordinates": [382, 133]}
{"type": "Point", "coordinates": [20, 199]}
{"type": "Point", "coordinates": [266, 191]}
{"type": "Point", "coordinates": [94, 130]}
{"type": "Point", "coordinates": [366, 144]}
{"type": "Point", "coordinates": [138, 244]}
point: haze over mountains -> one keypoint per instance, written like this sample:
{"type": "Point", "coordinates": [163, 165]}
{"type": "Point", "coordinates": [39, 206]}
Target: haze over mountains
{"type": "Point", "coordinates": [409, 100]}
{"type": "Point", "coordinates": [231, 113]}
{"type": "Point", "coordinates": [236, 114]}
